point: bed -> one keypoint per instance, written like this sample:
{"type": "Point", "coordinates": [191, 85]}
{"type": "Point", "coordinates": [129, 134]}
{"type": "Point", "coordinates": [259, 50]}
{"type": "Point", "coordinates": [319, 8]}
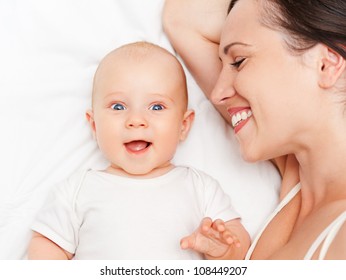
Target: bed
{"type": "Point", "coordinates": [49, 52]}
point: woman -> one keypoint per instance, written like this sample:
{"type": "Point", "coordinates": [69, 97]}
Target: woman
{"type": "Point", "coordinates": [283, 71]}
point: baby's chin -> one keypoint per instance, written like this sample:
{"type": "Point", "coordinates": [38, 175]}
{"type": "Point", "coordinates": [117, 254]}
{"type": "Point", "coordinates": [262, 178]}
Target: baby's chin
{"type": "Point", "coordinates": [140, 172]}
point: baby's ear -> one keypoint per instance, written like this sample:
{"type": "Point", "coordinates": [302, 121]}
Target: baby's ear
{"type": "Point", "coordinates": [332, 65]}
{"type": "Point", "coordinates": [90, 118]}
{"type": "Point", "coordinates": [189, 116]}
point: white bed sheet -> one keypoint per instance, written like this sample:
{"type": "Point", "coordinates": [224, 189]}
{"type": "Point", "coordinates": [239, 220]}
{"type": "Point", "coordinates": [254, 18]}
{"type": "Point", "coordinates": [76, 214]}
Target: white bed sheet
{"type": "Point", "coordinates": [48, 54]}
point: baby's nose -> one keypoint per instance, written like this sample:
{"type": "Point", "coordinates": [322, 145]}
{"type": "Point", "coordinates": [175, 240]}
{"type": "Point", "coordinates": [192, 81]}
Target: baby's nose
{"type": "Point", "coordinates": [136, 121]}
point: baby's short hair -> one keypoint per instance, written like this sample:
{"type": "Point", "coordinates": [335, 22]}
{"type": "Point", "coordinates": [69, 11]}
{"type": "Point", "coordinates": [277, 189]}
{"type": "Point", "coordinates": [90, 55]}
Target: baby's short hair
{"type": "Point", "coordinates": [142, 50]}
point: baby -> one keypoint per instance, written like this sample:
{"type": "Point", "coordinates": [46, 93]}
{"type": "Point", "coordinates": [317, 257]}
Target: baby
{"type": "Point", "coordinates": [141, 206]}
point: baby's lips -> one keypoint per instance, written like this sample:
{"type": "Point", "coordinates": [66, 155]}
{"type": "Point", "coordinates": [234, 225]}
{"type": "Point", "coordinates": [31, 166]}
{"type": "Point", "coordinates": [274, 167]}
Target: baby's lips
{"type": "Point", "coordinates": [136, 146]}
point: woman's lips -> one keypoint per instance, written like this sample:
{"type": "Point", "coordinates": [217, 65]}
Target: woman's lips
{"type": "Point", "coordinates": [239, 116]}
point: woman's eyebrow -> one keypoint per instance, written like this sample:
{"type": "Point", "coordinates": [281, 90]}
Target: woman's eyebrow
{"type": "Point", "coordinates": [227, 47]}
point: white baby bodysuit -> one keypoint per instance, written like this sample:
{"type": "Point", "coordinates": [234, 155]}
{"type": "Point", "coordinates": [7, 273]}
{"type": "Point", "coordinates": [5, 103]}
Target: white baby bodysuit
{"type": "Point", "coordinates": [97, 215]}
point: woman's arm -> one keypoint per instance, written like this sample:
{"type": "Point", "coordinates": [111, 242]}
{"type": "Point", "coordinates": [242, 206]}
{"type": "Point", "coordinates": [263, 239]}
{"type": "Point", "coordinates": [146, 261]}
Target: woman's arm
{"type": "Point", "coordinates": [194, 28]}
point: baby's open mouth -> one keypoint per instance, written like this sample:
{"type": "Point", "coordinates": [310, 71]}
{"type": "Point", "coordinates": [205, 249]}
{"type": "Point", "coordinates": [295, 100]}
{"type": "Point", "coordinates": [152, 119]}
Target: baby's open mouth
{"type": "Point", "coordinates": [137, 145]}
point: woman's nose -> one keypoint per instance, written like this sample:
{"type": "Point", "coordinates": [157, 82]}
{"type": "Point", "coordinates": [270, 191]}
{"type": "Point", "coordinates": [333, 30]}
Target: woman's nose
{"type": "Point", "coordinates": [136, 120]}
{"type": "Point", "coordinates": [223, 89]}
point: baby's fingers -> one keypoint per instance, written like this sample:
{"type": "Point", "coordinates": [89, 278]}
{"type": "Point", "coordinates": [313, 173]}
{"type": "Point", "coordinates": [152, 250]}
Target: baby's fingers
{"type": "Point", "coordinates": [206, 224]}
{"type": "Point", "coordinates": [229, 238]}
{"type": "Point", "coordinates": [188, 242]}
{"type": "Point", "coordinates": [219, 225]}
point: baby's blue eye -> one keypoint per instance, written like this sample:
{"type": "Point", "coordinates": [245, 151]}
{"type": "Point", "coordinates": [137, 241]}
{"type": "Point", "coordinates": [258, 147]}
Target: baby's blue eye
{"type": "Point", "coordinates": [157, 107]}
{"type": "Point", "coordinates": [118, 107]}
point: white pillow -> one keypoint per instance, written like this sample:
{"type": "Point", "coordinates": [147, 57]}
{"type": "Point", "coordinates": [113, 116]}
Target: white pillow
{"type": "Point", "coordinates": [49, 51]}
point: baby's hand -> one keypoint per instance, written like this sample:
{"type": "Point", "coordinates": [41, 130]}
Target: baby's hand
{"type": "Point", "coordinates": [211, 238]}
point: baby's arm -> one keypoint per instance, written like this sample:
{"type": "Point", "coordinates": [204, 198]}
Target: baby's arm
{"type": "Point", "coordinates": [219, 239]}
{"type": "Point", "coordinates": [42, 248]}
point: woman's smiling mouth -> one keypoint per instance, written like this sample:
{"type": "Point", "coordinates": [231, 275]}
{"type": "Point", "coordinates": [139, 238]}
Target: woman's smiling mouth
{"type": "Point", "coordinates": [239, 117]}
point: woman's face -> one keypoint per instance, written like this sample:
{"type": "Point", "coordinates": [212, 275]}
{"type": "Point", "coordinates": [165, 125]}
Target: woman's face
{"type": "Point", "coordinates": [266, 89]}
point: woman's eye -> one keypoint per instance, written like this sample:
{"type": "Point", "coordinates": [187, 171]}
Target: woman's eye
{"type": "Point", "coordinates": [157, 107]}
{"type": "Point", "coordinates": [118, 107]}
{"type": "Point", "coordinates": [237, 63]}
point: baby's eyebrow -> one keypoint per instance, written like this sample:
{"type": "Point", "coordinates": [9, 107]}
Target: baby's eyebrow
{"type": "Point", "coordinates": [114, 94]}
{"type": "Point", "coordinates": [164, 96]}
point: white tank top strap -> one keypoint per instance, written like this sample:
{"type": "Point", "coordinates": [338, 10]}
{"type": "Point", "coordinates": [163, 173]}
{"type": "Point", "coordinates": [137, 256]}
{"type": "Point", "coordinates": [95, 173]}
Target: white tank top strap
{"type": "Point", "coordinates": [280, 206]}
{"type": "Point", "coordinates": [327, 236]}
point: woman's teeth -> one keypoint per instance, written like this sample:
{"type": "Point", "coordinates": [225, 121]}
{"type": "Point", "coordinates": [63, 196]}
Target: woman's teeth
{"type": "Point", "coordinates": [241, 116]}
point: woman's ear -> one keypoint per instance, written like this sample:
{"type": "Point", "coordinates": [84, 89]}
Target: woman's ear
{"type": "Point", "coordinates": [189, 116]}
{"type": "Point", "coordinates": [331, 68]}
{"type": "Point", "coordinates": [90, 118]}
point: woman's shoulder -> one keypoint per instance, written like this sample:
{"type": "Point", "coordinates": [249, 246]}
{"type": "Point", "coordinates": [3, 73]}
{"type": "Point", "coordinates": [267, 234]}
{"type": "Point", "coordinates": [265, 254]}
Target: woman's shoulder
{"type": "Point", "coordinates": [334, 246]}
{"type": "Point", "coordinates": [328, 225]}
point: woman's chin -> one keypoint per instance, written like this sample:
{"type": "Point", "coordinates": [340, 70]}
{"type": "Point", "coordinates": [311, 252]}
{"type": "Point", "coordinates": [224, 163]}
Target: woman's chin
{"type": "Point", "coordinates": [250, 156]}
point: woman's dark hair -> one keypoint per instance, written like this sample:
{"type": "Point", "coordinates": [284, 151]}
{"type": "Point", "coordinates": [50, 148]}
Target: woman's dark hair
{"type": "Point", "coordinates": [307, 22]}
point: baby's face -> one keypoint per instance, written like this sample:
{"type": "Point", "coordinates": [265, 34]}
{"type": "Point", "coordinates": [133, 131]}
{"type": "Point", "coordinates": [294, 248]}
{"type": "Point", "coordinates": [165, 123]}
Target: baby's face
{"type": "Point", "coordinates": [138, 112]}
